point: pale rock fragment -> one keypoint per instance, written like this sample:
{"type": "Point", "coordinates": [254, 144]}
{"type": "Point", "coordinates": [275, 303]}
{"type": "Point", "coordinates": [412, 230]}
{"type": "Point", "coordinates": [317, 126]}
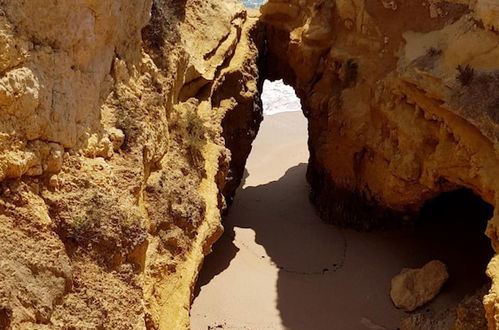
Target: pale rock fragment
{"type": "Point", "coordinates": [413, 288]}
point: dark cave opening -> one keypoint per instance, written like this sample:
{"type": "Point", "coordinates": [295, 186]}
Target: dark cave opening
{"type": "Point", "coordinates": [461, 205]}
{"type": "Point", "coordinates": [452, 227]}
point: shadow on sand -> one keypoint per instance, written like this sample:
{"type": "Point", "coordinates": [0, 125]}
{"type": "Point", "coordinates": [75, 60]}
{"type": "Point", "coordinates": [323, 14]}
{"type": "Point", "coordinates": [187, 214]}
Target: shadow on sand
{"type": "Point", "coordinates": [334, 278]}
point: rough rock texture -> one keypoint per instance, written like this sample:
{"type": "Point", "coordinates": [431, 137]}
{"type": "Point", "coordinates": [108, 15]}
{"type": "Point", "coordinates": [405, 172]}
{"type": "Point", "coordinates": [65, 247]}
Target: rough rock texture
{"type": "Point", "coordinates": [468, 315]}
{"type": "Point", "coordinates": [413, 288]}
{"type": "Point", "coordinates": [123, 123]}
{"type": "Point", "coordinates": [113, 116]}
{"type": "Point", "coordinates": [402, 103]}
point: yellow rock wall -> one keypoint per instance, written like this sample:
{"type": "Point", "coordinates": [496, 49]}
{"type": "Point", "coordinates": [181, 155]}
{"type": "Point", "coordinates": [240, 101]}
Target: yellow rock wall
{"type": "Point", "coordinates": [113, 156]}
{"type": "Point", "coordinates": [402, 101]}
{"type": "Point", "coordinates": [123, 124]}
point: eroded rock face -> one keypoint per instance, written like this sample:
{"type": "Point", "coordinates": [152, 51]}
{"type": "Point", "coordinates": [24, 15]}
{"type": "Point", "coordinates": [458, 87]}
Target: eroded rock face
{"type": "Point", "coordinates": [123, 122]}
{"type": "Point", "coordinates": [402, 103]}
{"type": "Point", "coordinates": [113, 158]}
{"type": "Point", "coordinates": [468, 315]}
{"type": "Point", "coordinates": [413, 288]}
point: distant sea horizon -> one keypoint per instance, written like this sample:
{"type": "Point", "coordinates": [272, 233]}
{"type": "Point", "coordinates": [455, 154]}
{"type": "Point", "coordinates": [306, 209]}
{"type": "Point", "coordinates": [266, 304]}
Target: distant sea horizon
{"type": "Point", "coordinates": [253, 3]}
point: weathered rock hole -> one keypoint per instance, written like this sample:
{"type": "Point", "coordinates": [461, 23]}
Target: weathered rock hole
{"type": "Point", "coordinates": [452, 228]}
{"type": "Point", "coordinates": [455, 223]}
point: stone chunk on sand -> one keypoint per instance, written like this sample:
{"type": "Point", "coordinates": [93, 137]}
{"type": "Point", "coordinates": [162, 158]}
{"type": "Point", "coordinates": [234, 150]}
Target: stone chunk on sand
{"type": "Point", "coordinates": [413, 288]}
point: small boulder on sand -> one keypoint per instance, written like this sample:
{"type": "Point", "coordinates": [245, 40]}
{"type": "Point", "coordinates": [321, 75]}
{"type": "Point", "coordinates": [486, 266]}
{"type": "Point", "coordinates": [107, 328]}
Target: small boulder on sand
{"type": "Point", "coordinates": [413, 288]}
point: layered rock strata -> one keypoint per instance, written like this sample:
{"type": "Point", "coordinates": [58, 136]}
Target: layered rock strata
{"type": "Point", "coordinates": [114, 117]}
{"type": "Point", "coordinates": [402, 103]}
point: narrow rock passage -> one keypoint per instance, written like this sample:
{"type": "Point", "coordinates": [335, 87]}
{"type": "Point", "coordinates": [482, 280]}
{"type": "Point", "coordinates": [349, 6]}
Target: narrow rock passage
{"type": "Point", "coordinates": [278, 266]}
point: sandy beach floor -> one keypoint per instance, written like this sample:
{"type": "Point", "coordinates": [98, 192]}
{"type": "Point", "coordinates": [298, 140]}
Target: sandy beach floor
{"type": "Point", "coordinates": [278, 266]}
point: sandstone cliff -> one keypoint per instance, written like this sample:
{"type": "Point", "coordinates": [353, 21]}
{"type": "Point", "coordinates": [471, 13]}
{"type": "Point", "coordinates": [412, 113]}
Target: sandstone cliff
{"type": "Point", "coordinates": [125, 126]}
{"type": "Point", "coordinates": [114, 117]}
{"type": "Point", "coordinates": [402, 102]}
